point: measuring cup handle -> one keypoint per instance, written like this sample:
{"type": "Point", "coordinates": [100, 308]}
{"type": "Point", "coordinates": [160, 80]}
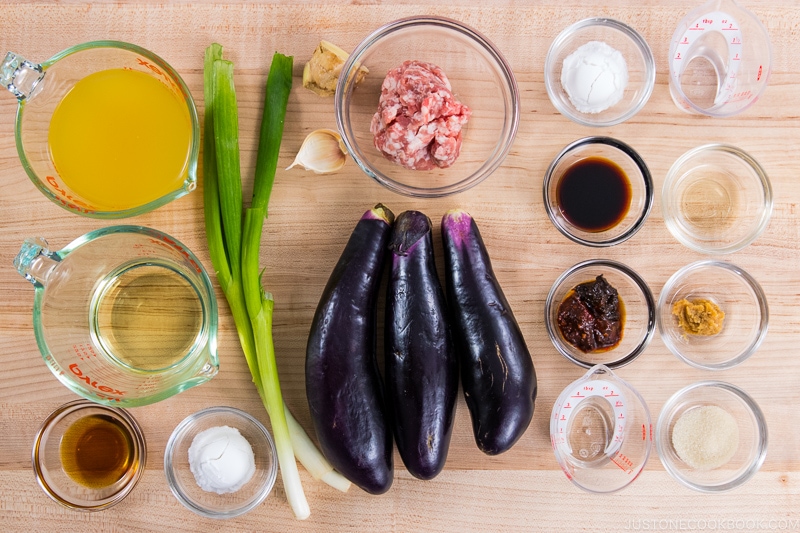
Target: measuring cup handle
{"type": "Point", "coordinates": [19, 75]}
{"type": "Point", "coordinates": [35, 261]}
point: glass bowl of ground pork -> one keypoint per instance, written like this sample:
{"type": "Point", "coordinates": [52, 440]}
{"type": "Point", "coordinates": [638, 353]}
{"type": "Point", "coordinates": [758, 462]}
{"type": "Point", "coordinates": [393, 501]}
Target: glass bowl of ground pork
{"type": "Point", "coordinates": [711, 436]}
{"type": "Point", "coordinates": [436, 114]}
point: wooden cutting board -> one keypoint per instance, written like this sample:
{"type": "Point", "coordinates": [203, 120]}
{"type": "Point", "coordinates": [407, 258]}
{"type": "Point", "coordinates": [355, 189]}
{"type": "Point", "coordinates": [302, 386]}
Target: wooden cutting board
{"type": "Point", "coordinates": [311, 218]}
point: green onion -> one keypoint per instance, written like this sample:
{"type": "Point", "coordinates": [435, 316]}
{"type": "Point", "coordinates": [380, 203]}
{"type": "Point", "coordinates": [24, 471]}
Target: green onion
{"type": "Point", "coordinates": [234, 253]}
{"type": "Point", "coordinates": [226, 141]}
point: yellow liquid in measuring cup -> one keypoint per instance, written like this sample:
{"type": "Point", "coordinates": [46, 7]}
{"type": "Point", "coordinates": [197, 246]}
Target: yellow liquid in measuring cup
{"type": "Point", "coordinates": [120, 139]}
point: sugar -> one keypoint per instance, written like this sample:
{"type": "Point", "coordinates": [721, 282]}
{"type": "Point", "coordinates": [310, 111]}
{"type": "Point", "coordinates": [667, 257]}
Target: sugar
{"type": "Point", "coordinates": [705, 437]}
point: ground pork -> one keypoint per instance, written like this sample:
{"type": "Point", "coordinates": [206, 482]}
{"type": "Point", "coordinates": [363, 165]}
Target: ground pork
{"type": "Point", "coordinates": [418, 122]}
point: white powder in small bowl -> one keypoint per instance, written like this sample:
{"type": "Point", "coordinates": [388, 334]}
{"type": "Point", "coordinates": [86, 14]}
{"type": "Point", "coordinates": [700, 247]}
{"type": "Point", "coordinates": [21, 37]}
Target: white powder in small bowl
{"type": "Point", "coordinates": [594, 76]}
{"type": "Point", "coordinates": [221, 460]}
{"type": "Point", "coordinates": [705, 437]}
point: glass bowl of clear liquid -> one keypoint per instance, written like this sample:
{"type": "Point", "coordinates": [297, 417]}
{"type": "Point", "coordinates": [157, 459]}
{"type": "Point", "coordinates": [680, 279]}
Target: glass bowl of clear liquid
{"type": "Point", "coordinates": [88, 457]}
{"type": "Point", "coordinates": [716, 199]}
{"type": "Point", "coordinates": [124, 315]}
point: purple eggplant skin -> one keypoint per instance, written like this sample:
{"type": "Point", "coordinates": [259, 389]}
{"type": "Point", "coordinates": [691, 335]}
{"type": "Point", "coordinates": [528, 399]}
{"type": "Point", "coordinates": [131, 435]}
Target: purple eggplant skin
{"type": "Point", "coordinates": [421, 366]}
{"type": "Point", "coordinates": [343, 384]}
{"type": "Point", "coordinates": [497, 372]}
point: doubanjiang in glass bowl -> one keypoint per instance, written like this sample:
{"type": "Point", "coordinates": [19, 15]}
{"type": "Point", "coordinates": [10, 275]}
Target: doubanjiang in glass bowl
{"type": "Point", "coordinates": [598, 191]}
{"type": "Point", "coordinates": [593, 109]}
{"type": "Point", "coordinates": [638, 313]}
{"type": "Point", "coordinates": [480, 78]}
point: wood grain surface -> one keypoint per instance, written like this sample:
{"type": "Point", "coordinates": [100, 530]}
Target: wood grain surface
{"type": "Point", "coordinates": [311, 218]}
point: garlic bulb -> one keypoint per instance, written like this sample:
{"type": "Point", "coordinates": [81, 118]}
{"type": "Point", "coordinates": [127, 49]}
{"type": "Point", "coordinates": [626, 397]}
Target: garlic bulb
{"type": "Point", "coordinates": [322, 152]}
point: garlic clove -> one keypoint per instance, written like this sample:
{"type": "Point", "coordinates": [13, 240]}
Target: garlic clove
{"type": "Point", "coordinates": [322, 152]}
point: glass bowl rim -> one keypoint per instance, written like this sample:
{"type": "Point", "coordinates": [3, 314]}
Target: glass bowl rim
{"type": "Point", "coordinates": [740, 273]}
{"type": "Point", "coordinates": [669, 215]}
{"type": "Point", "coordinates": [137, 439]}
{"type": "Point", "coordinates": [186, 425]}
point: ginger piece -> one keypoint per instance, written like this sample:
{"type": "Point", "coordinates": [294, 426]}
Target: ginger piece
{"type": "Point", "coordinates": [321, 73]}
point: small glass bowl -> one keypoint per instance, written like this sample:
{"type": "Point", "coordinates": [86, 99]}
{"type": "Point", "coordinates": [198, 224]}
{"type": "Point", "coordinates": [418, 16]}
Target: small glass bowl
{"type": "Point", "coordinates": [51, 475]}
{"type": "Point", "coordinates": [639, 316]}
{"type": "Point", "coordinates": [210, 504]}
{"type": "Point", "coordinates": [641, 187]}
{"type": "Point", "coordinates": [716, 199]}
{"type": "Point", "coordinates": [736, 293]}
{"type": "Point", "coordinates": [635, 51]}
{"type": "Point", "coordinates": [752, 449]}
{"type": "Point", "coordinates": [480, 77]}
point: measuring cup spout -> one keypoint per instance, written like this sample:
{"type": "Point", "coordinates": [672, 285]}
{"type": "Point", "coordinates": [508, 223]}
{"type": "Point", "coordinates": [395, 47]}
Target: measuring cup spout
{"type": "Point", "coordinates": [35, 261]}
{"type": "Point", "coordinates": [20, 76]}
{"type": "Point", "coordinates": [599, 370]}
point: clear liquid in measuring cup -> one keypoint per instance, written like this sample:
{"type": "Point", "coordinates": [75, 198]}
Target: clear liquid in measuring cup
{"type": "Point", "coordinates": [147, 316]}
{"type": "Point", "coordinates": [706, 69]}
{"type": "Point", "coordinates": [590, 430]}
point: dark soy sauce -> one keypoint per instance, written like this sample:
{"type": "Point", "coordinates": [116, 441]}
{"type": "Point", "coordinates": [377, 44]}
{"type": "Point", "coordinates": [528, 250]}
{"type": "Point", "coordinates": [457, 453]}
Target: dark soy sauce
{"type": "Point", "coordinates": [594, 194]}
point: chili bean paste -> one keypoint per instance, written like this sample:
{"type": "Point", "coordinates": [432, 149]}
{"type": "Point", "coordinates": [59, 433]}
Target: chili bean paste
{"type": "Point", "coordinates": [591, 316]}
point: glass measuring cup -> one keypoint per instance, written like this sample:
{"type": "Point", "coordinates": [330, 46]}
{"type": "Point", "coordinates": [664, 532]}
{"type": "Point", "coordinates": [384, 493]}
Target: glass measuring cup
{"type": "Point", "coordinates": [40, 90]}
{"type": "Point", "coordinates": [719, 60]}
{"type": "Point", "coordinates": [124, 315]}
{"type": "Point", "coordinates": [600, 431]}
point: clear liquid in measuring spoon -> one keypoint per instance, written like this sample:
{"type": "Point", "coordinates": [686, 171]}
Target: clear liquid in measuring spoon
{"type": "Point", "coordinates": [719, 59]}
{"type": "Point", "coordinates": [707, 59]}
{"type": "Point", "coordinates": [600, 431]}
{"type": "Point", "coordinates": [591, 422]}
{"type": "Point", "coordinates": [147, 317]}
{"type": "Point", "coordinates": [591, 430]}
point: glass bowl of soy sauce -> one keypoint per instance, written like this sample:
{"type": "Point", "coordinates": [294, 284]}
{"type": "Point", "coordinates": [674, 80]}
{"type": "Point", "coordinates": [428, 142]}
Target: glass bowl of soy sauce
{"type": "Point", "coordinates": [598, 191]}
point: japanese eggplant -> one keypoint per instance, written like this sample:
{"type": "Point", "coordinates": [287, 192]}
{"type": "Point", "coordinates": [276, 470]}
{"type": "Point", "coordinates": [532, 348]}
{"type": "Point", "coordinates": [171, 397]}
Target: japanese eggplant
{"type": "Point", "coordinates": [421, 366]}
{"type": "Point", "coordinates": [343, 385]}
{"type": "Point", "coordinates": [497, 373]}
